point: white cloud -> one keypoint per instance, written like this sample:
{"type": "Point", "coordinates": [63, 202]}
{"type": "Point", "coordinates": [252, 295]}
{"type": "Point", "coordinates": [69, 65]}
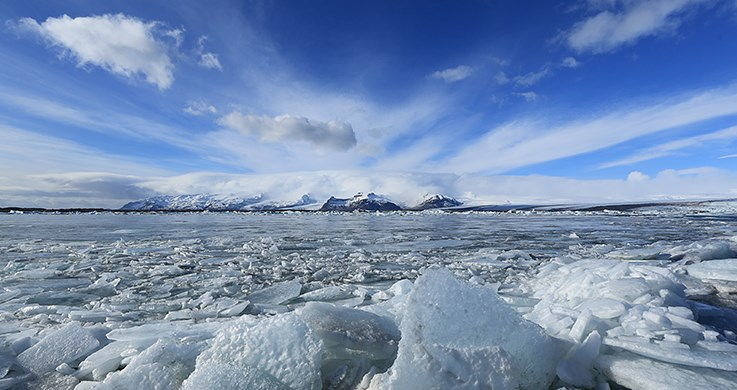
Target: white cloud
{"type": "Point", "coordinates": [530, 96]}
{"type": "Point", "coordinates": [501, 78]}
{"type": "Point", "coordinates": [210, 60]}
{"type": "Point", "coordinates": [526, 142]}
{"type": "Point", "coordinates": [533, 77]}
{"type": "Point", "coordinates": [635, 176]}
{"type": "Point", "coordinates": [120, 44]}
{"type": "Point", "coordinates": [610, 29]}
{"type": "Point", "coordinates": [668, 148]}
{"type": "Point", "coordinates": [570, 62]}
{"type": "Point", "coordinates": [451, 75]}
{"type": "Point", "coordinates": [199, 107]}
{"type": "Point", "coordinates": [729, 156]}
{"type": "Point", "coordinates": [207, 59]}
{"type": "Point", "coordinates": [334, 135]}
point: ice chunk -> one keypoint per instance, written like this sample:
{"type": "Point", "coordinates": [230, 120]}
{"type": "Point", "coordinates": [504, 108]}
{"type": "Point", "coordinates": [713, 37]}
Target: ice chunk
{"type": "Point", "coordinates": [223, 375]}
{"type": "Point", "coordinates": [6, 361]}
{"type": "Point", "coordinates": [450, 329]}
{"type": "Point", "coordinates": [606, 308]}
{"type": "Point", "coordinates": [435, 366]}
{"type": "Point", "coordinates": [164, 365]}
{"type": "Point", "coordinates": [109, 358]}
{"type": "Point", "coordinates": [179, 329]}
{"type": "Point", "coordinates": [274, 352]}
{"type": "Point", "coordinates": [679, 354]}
{"type": "Point", "coordinates": [277, 294]}
{"type": "Point", "coordinates": [579, 327]}
{"type": "Point", "coordinates": [354, 342]}
{"type": "Point", "coordinates": [62, 346]}
{"type": "Point", "coordinates": [330, 293]}
{"type": "Point", "coordinates": [636, 372]}
{"type": "Point", "coordinates": [235, 310]}
{"type": "Point", "coordinates": [575, 368]}
{"type": "Point", "coordinates": [53, 381]}
{"type": "Point", "coordinates": [725, 269]}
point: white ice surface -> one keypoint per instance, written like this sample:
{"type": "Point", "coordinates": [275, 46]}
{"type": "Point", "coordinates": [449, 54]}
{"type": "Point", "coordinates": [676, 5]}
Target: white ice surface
{"type": "Point", "coordinates": [637, 372]}
{"type": "Point", "coordinates": [723, 269]}
{"type": "Point", "coordinates": [450, 330]}
{"type": "Point", "coordinates": [272, 352]}
{"type": "Point", "coordinates": [64, 345]}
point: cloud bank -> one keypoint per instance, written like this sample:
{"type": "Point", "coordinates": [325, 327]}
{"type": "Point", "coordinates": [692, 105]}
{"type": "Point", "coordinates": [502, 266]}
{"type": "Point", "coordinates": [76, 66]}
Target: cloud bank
{"type": "Point", "coordinates": [91, 189]}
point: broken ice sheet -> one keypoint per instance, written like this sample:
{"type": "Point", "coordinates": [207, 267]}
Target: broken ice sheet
{"type": "Point", "coordinates": [62, 346]}
{"type": "Point", "coordinates": [277, 293]}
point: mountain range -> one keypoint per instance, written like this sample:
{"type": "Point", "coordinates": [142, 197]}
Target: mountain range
{"type": "Point", "coordinates": [215, 202]}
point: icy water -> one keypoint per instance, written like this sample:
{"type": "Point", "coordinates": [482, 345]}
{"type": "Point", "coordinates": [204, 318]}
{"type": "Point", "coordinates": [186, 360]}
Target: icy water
{"type": "Point", "coordinates": [157, 256]}
{"type": "Point", "coordinates": [121, 271]}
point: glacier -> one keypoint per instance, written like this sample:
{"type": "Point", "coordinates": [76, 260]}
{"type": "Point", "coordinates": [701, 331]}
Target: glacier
{"type": "Point", "coordinates": [368, 300]}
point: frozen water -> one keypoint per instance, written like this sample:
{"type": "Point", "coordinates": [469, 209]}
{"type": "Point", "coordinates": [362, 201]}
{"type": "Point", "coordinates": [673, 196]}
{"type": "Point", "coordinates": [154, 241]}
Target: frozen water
{"type": "Point", "coordinates": [311, 300]}
{"type": "Point", "coordinates": [636, 372]}
{"type": "Point", "coordinates": [576, 367]}
{"type": "Point", "coordinates": [276, 294]}
{"type": "Point", "coordinates": [724, 269]}
{"type": "Point", "coordinates": [451, 329]}
{"type": "Point", "coordinates": [62, 346]}
{"type": "Point", "coordinates": [276, 352]}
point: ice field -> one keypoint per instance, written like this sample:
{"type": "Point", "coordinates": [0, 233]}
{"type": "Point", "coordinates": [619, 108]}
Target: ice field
{"type": "Point", "coordinates": [427, 300]}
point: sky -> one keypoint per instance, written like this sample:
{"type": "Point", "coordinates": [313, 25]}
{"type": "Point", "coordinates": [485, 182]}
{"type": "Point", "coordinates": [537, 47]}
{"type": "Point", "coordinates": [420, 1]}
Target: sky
{"type": "Point", "coordinates": [489, 101]}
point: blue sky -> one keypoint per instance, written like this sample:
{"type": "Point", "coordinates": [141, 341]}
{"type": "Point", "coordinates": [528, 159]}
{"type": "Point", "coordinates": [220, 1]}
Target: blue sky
{"type": "Point", "coordinates": [139, 95]}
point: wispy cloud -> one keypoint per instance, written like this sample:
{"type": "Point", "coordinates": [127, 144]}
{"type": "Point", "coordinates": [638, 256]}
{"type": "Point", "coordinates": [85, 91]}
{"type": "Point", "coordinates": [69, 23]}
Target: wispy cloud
{"type": "Point", "coordinates": [121, 44]}
{"type": "Point", "coordinates": [526, 142]}
{"type": "Point", "coordinates": [570, 62]}
{"type": "Point", "coordinates": [531, 78]}
{"type": "Point", "coordinates": [669, 148]}
{"type": "Point", "coordinates": [207, 59]}
{"type": "Point", "coordinates": [529, 96]}
{"type": "Point", "coordinates": [451, 75]}
{"type": "Point", "coordinates": [199, 107]}
{"type": "Point", "coordinates": [612, 28]}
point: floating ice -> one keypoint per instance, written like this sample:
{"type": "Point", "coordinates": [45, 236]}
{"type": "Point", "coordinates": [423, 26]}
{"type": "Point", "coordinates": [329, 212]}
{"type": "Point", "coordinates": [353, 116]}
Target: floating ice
{"type": "Point", "coordinates": [576, 367]}
{"type": "Point", "coordinates": [637, 372]}
{"type": "Point", "coordinates": [276, 294]}
{"type": "Point", "coordinates": [725, 269]}
{"type": "Point", "coordinates": [277, 352]}
{"type": "Point", "coordinates": [450, 330]}
{"type": "Point", "coordinates": [164, 365]}
{"type": "Point", "coordinates": [62, 346]}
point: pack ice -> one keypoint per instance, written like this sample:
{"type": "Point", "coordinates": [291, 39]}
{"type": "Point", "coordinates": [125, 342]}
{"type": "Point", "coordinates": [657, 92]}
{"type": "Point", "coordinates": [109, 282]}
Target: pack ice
{"type": "Point", "coordinates": [572, 323]}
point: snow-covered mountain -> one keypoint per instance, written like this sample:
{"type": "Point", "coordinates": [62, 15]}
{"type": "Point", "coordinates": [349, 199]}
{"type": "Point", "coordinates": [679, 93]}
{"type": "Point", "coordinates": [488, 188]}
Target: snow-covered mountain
{"type": "Point", "coordinates": [213, 202]}
{"type": "Point", "coordinates": [367, 202]}
{"type": "Point", "coordinates": [437, 201]}
{"type": "Point", "coordinates": [219, 202]}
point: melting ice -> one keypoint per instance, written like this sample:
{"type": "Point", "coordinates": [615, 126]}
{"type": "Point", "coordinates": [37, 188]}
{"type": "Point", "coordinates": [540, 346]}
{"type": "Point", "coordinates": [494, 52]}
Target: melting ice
{"type": "Point", "coordinates": [369, 301]}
